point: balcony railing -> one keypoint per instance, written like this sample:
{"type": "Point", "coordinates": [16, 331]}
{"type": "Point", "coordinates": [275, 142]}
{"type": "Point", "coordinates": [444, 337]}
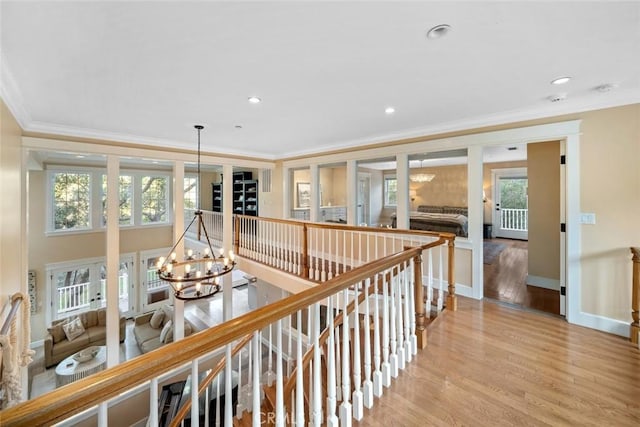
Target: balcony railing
{"type": "Point", "coordinates": [308, 366]}
{"type": "Point", "coordinates": [514, 219]}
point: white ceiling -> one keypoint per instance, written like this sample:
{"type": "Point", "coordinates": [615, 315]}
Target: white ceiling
{"type": "Point", "coordinates": [145, 72]}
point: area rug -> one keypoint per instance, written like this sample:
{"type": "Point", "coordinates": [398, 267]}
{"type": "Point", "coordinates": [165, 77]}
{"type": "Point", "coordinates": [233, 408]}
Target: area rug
{"type": "Point", "coordinates": [491, 251]}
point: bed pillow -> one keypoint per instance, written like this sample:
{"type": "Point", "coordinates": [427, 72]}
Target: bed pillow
{"type": "Point", "coordinates": [165, 330]}
{"type": "Point", "coordinates": [156, 319]}
{"type": "Point", "coordinates": [73, 329]}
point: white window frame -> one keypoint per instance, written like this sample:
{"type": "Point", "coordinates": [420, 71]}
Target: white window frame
{"type": "Point", "coordinates": [95, 202]}
{"type": "Point", "coordinates": [193, 176]}
{"type": "Point", "coordinates": [386, 177]}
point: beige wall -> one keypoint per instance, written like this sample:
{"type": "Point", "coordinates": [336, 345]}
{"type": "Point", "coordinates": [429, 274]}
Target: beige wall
{"type": "Point", "coordinates": [271, 202]}
{"type": "Point", "coordinates": [45, 250]}
{"type": "Point", "coordinates": [543, 171]}
{"type": "Point", "coordinates": [448, 188]}
{"type": "Point", "coordinates": [11, 214]}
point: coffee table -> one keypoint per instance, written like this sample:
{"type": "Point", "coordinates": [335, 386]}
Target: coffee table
{"type": "Point", "coordinates": [70, 370]}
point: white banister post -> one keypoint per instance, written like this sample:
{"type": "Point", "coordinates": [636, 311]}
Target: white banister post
{"type": "Point", "coordinates": [316, 404]}
{"type": "Point", "coordinates": [153, 402]}
{"type": "Point", "coordinates": [399, 320]}
{"type": "Point", "coordinates": [332, 419]}
{"type": "Point", "coordinates": [412, 308]}
{"type": "Point", "coordinates": [228, 401]}
{"type": "Point", "coordinates": [377, 374]}
{"type": "Point", "coordinates": [367, 387]}
{"type": "Point", "coordinates": [299, 372]}
{"type": "Point", "coordinates": [279, 376]}
{"type": "Point", "coordinates": [195, 408]}
{"type": "Point", "coordinates": [256, 379]}
{"type": "Point", "coordinates": [407, 309]}
{"type": "Point", "coordinates": [346, 414]}
{"type": "Point", "coordinates": [440, 303]}
{"type": "Point", "coordinates": [393, 357]}
{"type": "Point", "coordinates": [358, 408]}
{"type": "Point", "coordinates": [386, 366]}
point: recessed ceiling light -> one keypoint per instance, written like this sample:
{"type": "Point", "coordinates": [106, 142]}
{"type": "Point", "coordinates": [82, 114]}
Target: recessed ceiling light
{"type": "Point", "coordinates": [560, 80]}
{"type": "Point", "coordinates": [254, 100]}
{"type": "Point", "coordinates": [389, 110]}
{"type": "Point", "coordinates": [438, 31]}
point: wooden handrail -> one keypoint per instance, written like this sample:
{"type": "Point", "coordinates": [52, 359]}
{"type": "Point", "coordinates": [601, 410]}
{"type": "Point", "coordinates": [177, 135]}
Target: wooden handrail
{"type": "Point", "coordinates": [16, 299]}
{"type": "Point", "coordinates": [205, 383]}
{"type": "Point", "coordinates": [56, 406]}
{"type": "Point", "coordinates": [635, 297]}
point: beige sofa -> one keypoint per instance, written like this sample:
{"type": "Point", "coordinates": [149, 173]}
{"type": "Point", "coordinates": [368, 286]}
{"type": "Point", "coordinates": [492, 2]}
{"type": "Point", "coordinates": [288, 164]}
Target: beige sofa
{"type": "Point", "coordinates": [152, 330]}
{"type": "Point", "coordinates": [57, 346]}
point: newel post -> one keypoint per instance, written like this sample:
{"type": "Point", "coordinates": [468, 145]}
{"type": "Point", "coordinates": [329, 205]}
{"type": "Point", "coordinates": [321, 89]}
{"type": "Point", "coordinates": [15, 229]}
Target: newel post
{"type": "Point", "coordinates": [236, 234]}
{"type": "Point", "coordinates": [305, 251]}
{"type": "Point", "coordinates": [452, 301]}
{"type": "Point", "coordinates": [635, 297]}
{"type": "Point", "coordinates": [418, 289]}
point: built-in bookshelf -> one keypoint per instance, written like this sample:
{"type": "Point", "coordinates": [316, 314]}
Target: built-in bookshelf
{"type": "Point", "coordinates": [245, 194]}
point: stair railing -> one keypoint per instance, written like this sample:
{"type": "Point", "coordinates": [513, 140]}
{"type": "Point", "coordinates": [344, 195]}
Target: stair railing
{"type": "Point", "coordinates": [394, 270]}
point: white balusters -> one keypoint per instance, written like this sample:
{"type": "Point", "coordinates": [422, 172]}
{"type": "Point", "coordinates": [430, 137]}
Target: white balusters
{"type": "Point", "coordinates": [399, 320]}
{"type": "Point", "coordinates": [317, 367]}
{"type": "Point", "coordinates": [393, 356]}
{"type": "Point", "coordinates": [228, 411]}
{"type": "Point", "coordinates": [332, 419]}
{"type": "Point", "coordinates": [358, 408]}
{"type": "Point", "coordinates": [257, 360]}
{"type": "Point", "coordinates": [367, 386]}
{"type": "Point", "coordinates": [408, 352]}
{"type": "Point", "coordinates": [279, 377]}
{"type": "Point", "coordinates": [153, 402]}
{"type": "Point", "coordinates": [299, 372]}
{"type": "Point", "coordinates": [345, 407]}
{"type": "Point", "coordinates": [377, 373]}
{"type": "Point", "coordinates": [195, 409]}
{"type": "Point", "coordinates": [386, 366]}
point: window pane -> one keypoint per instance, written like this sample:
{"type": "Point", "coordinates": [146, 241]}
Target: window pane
{"type": "Point", "coordinates": [390, 191]}
{"type": "Point", "coordinates": [71, 200]}
{"type": "Point", "coordinates": [154, 199]}
{"type": "Point", "coordinates": [73, 291]}
{"type": "Point", "coordinates": [125, 195]}
{"type": "Point", "coordinates": [190, 193]}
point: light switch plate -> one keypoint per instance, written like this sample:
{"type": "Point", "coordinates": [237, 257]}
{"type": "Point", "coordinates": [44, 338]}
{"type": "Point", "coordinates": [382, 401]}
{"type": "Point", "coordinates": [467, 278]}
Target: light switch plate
{"type": "Point", "coordinates": [587, 218]}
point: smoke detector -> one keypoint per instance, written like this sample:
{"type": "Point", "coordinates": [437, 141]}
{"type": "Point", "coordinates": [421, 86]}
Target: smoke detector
{"type": "Point", "coordinates": [606, 87]}
{"type": "Point", "coordinates": [558, 97]}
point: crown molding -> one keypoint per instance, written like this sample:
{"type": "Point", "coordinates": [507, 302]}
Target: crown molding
{"type": "Point", "coordinates": [11, 94]}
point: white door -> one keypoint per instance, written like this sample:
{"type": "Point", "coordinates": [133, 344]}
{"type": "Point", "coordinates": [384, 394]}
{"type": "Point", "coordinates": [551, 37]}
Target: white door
{"type": "Point", "coordinates": [126, 286]}
{"type": "Point", "coordinates": [510, 203]}
{"type": "Point", "coordinates": [153, 292]}
{"type": "Point", "coordinates": [363, 213]}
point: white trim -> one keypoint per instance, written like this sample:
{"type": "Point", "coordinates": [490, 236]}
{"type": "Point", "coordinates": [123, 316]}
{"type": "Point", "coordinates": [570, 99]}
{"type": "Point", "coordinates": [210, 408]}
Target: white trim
{"type": "Point", "coordinates": [573, 234]}
{"type": "Point", "coordinates": [465, 291]}
{"type": "Point", "coordinates": [37, 344]}
{"type": "Point", "coordinates": [602, 323]}
{"type": "Point", "coordinates": [543, 282]}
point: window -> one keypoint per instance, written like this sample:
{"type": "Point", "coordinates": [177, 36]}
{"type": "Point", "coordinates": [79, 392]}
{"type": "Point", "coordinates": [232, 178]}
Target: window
{"type": "Point", "coordinates": [125, 203]}
{"type": "Point", "coordinates": [71, 201]}
{"type": "Point", "coordinates": [155, 202]}
{"type": "Point", "coordinates": [190, 192]}
{"type": "Point", "coordinates": [390, 190]}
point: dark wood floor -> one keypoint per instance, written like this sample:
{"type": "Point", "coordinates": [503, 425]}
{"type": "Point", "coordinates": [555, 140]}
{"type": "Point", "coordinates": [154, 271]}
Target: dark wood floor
{"type": "Point", "coordinates": [492, 365]}
{"type": "Point", "coordinates": [505, 280]}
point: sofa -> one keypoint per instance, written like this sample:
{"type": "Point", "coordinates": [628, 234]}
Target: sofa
{"type": "Point", "coordinates": [154, 329]}
{"type": "Point", "coordinates": [93, 331]}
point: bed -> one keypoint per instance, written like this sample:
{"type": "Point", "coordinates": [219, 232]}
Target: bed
{"type": "Point", "coordinates": [450, 219]}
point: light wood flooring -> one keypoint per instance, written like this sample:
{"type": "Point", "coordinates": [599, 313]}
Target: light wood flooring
{"type": "Point", "coordinates": [492, 365]}
{"type": "Point", "coordinates": [505, 280]}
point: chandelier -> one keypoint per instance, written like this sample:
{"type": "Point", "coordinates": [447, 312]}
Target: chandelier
{"type": "Point", "coordinates": [197, 275]}
{"type": "Point", "coordinates": [422, 177]}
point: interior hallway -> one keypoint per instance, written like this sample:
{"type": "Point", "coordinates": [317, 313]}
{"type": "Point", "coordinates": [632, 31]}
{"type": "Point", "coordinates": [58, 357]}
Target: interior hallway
{"type": "Point", "coordinates": [505, 279]}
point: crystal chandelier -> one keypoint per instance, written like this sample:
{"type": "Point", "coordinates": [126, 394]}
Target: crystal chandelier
{"type": "Point", "coordinates": [422, 177]}
{"type": "Point", "coordinates": [197, 275]}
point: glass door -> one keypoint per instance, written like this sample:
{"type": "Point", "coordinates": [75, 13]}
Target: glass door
{"type": "Point", "coordinates": [511, 206]}
{"type": "Point", "coordinates": [153, 292]}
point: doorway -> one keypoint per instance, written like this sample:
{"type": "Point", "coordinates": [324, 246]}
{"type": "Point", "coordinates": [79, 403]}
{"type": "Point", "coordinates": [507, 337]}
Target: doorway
{"type": "Point", "coordinates": [363, 213]}
{"type": "Point", "coordinates": [510, 189]}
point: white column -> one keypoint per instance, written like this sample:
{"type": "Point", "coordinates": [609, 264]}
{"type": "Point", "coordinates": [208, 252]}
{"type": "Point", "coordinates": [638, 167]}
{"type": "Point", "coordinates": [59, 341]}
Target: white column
{"type": "Point", "coordinates": [113, 260]}
{"type": "Point", "coordinates": [314, 208]}
{"type": "Point", "coordinates": [227, 238]}
{"type": "Point", "coordinates": [352, 191]}
{"type": "Point", "coordinates": [402, 175]}
{"type": "Point", "coordinates": [178, 229]}
{"type": "Point", "coordinates": [476, 213]}
{"type": "Point", "coordinates": [286, 192]}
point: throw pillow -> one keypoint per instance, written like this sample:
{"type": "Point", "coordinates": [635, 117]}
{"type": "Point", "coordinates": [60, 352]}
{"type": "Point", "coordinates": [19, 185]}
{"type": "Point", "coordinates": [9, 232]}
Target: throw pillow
{"type": "Point", "coordinates": [169, 337]}
{"type": "Point", "coordinates": [187, 331]}
{"type": "Point", "coordinates": [73, 329]}
{"type": "Point", "coordinates": [57, 333]}
{"type": "Point", "coordinates": [156, 319]}
{"type": "Point", "coordinates": [102, 317]}
{"type": "Point", "coordinates": [165, 330]}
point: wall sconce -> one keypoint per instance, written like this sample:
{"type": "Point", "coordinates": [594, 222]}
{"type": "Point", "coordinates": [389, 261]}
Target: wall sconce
{"type": "Point", "coordinates": [412, 194]}
{"type": "Point", "coordinates": [484, 197]}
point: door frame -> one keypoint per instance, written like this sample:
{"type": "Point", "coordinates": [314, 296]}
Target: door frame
{"type": "Point", "coordinates": [366, 210]}
{"type": "Point", "coordinates": [496, 174]}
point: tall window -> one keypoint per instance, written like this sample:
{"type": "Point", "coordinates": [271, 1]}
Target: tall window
{"type": "Point", "coordinates": [155, 201]}
{"type": "Point", "coordinates": [71, 201]}
{"type": "Point", "coordinates": [190, 192]}
{"type": "Point", "coordinates": [390, 190]}
{"type": "Point", "coordinates": [125, 203]}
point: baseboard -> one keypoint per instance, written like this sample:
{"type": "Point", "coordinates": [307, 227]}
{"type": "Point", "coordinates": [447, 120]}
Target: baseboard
{"type": "Point", "coordinates": [604, 324]}
{"type": "Point", "coordinates": [462, 290]}
{"type": "Point", "coordinates": [543, 282]}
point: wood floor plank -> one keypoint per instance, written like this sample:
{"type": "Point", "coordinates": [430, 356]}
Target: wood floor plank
{"type": "Point", "coordinates": [488, 364]}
